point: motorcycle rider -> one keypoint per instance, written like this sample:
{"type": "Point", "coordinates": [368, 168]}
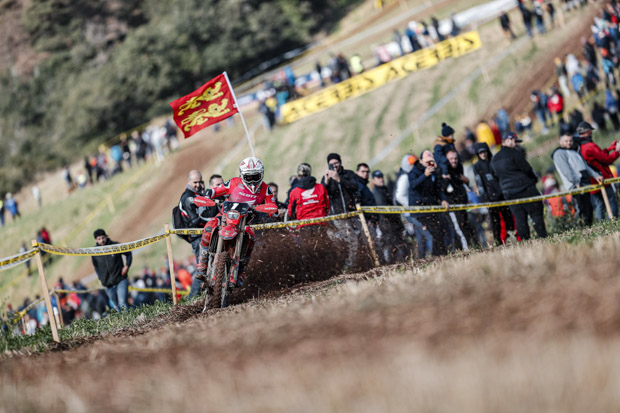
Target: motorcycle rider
{"type": "Point", "coordinates": [248, 188]}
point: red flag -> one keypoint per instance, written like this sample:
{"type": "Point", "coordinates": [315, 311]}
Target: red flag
{"type": "Point", "coordinates": [210, 104]}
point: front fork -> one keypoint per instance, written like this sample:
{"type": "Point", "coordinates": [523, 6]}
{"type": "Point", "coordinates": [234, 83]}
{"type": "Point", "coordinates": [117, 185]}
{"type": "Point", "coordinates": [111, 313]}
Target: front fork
{"type": "Point", "coordinates": [236, 259]}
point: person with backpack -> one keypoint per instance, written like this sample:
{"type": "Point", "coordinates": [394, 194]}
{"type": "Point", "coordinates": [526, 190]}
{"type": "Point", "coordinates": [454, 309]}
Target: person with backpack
{"type": "Point", "coordinates": [188, 215]}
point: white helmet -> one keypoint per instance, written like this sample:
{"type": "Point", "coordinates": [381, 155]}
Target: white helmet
{"type": "Point", "coordinates": [251, 171]}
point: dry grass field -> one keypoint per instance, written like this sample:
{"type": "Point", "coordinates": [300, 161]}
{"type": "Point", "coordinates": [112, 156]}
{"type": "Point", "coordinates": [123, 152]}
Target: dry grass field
{"type": "Point", "coordinates": [533, 327]}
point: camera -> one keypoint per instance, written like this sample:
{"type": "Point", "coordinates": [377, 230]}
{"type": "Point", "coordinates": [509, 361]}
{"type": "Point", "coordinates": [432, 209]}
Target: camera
{"type": "Point", "coordinates": [331, 167]}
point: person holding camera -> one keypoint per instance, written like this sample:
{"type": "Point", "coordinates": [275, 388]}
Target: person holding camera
{"type": "Point", "coordinates": [341, 184]}
{"type": "Point", "coordinates": [425, 189]}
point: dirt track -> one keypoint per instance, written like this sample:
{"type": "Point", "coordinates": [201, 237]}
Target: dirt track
{"type": "Point", "coordinates": [531, 329]}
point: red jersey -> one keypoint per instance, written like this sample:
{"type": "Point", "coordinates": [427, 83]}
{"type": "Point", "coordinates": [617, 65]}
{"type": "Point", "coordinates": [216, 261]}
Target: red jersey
{"type": "Point", "coordinates": [308, 201]}
{"type": "Point", "coordinates": [237, 192]}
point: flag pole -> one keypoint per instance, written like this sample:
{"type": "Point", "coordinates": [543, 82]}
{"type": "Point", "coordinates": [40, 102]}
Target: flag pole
{"type": "Point", "coordinates": [247, 133]}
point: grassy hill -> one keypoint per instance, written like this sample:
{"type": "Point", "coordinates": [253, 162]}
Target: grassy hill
{"type": "Point", "coordinates": [357, 128]}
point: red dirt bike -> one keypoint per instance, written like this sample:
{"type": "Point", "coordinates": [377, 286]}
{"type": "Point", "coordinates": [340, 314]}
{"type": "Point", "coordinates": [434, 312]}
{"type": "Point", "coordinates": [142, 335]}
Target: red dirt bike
{"type": "Point", "coordinates": [226, 250]}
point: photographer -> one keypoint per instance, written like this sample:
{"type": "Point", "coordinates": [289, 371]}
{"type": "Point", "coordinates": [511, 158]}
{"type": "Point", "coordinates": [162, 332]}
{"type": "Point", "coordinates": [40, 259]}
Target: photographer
{"type": "Point", "coordinates": [341, 184]}
{"type": "Point", "coordinates": [425, 189]}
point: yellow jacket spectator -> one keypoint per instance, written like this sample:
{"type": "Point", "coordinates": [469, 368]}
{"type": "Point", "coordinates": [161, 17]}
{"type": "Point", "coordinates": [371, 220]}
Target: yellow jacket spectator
{"type": "Point", "coordinates": [485, 134]}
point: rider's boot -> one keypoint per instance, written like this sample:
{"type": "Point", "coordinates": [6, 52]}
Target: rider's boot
{"type": "Point", "coordinates": [201, 265]}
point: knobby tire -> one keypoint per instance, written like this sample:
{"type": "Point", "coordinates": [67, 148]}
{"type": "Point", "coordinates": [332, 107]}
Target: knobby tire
{"type": "Point", "coordinates": [221, 260]}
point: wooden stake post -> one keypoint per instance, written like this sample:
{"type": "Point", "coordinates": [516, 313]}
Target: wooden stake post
{"type": "Point", "coordinates": [173, 280]}
{"type": "Point", "coordinates": [604, 193]}
{"type": "Point", "coordinates": [46, 294]}
{"type": "Point", "coordinates": [375, 257]}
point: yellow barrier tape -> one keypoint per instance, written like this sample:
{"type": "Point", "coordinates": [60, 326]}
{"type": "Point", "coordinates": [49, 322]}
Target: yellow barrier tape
{"type": "Point", "coordinates": [131, 288]}
{"type": "Point", "coordinates": [381, 75]}
{"type": "Point", "coordinates": [14, 260]}
{"type": "Point", "coordinates": [464, 207]}
{"type": "Point", "coordinates": [272, 225]}
{"type": "Point", "coordinates": [103, 250]}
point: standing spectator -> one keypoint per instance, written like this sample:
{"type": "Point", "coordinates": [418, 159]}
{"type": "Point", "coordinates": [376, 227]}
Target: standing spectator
{"type": "Point", "coordinates": [539, 15]}
{"type": "Point", "coordinates": [112, 271]}
{"type": "Point", "coordinates": [484, 133]}
{"type": "Point", "coordinates": [390, 232]}
{"type": "Point", "coordinates": [527, 19]}
{"type": "Point", "coordinates": [281, 207]}
{"type": "Point", "coordinates": [518, 180]}
{"type": "Point", "coordinates": [195, 217]}
{"type": "Point", "coordinates": [398, 40]}
{"type": "Point", "coordinates": [365, 196]}
{"type": "Point", "coordinates": [341, 185]}
{"type": "Point", "coordinates": [215, 181]}
{"type": "Point", "coordinates": [89, 169]}
{"type": "Point", "coordinates": [413, 38]}
{"type": "Point", "coordinates": [319, 69]}
{"type": "Point", "coordinates": [600, 160]}
{"type": "Point", "coordinates": [424, 238]}
{"type": "Point", "coordinates": [589, 51]}
{"type": "Point", "coordinates": [504, 21]}
{"type": "Point", "coordinates": [12, 205]}
{"type": "Point", "coordinates": [551, 10]}
{"type": "Point", "coordinates": [489, 190]}
{"type": "Point", "coordinates": [66, 174]}
{"type": "Point", "coordinates": [356, 64]}
{"type": "Point", "coordinates": [23, 249]}
{"type": "Point", "coordinates": [503, 121]}
{"type": "Point", "coordinates": [36, 193]}
{"type": "Point", "coordinates": [307, 199]}
{"type": "Point", "coordinates": [611, 106]}
{"type": "Point", "coordinates": [456, 193]}
{"type": "Point", "coordinates": [435, 24]}
{"type": "Point", "coordinates": [556, 103]}
{"type": "Point", "coordinates": [539, 103]}
{"type": "Point", "coordinates": [425, 190]}
{"type": "Point", "coordinates": [560, 72]}
{"type": "Point", "coordinates": [441, 146]}
{"type": "Point", "coordinates": [455, 30]}
{"type": "Point", "coordinates": [598, 116]}
{"type": "Point", "coordinates": [1, 211]}
{"type": "Point", "coordinates": [575, 172]}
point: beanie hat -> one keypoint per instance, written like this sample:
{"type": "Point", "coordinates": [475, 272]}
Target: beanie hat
{"type": "Point", "coordinates": [333, 156]}
{"type": "Point", "coordinates": [99, 233]}
{"type": "Point", "coordinates": [446, 130]}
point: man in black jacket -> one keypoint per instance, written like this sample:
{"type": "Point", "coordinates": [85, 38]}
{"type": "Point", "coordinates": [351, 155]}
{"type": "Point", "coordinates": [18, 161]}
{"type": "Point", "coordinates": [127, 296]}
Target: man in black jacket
{"type": "Point", "coordinates": [195, 217]}
{"type": "Point", "coordinates": [518, 180]}
{"type": "Point", "coordinates": [341, 184]}
{"type": "Point", "coordinates": [425, 190]}
{"type": "Point", "coordinates": [490, 191]}
{"type": "Point", "coordinates": [112, 271]}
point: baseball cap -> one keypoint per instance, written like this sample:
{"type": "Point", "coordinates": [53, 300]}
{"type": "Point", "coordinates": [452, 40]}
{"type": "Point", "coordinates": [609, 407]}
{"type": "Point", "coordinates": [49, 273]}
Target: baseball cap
{"type": "Point", "coordinates": [377, 174]}
{"type": "Point", "coordinates": [511, 135]}
{"type": "Point", "coordinates": [584, 126]}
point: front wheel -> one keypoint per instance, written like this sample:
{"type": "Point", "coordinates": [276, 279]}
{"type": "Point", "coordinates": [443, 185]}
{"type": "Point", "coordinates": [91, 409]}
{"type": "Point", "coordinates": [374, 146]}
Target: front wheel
{"type": "Point", "coordinates": [222, 268]}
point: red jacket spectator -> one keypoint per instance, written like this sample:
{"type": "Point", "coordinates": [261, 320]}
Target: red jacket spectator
{"type": "Point", "coordinates": [556, 103]}
{"type": "Point", "coordinates": [598, 158]}
{"type": "Point", "coordinates": [308, 199]}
